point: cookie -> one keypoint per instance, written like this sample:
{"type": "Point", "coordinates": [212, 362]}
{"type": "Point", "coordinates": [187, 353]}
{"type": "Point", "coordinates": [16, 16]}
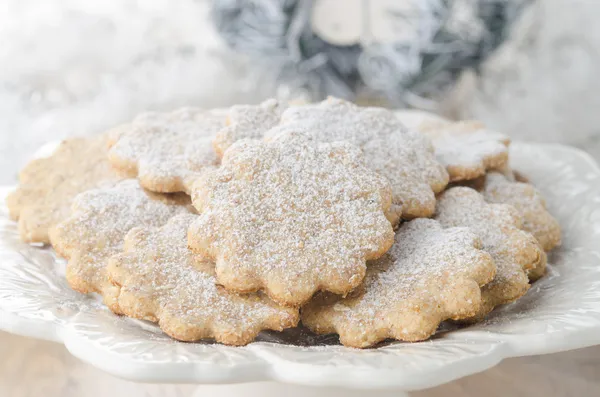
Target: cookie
{"type": "Point", "coordinates": [530, 205]}
{"type": "Point", "coordinates": [539, 269]}
{"type": "Point", "coordinates": [47, 186]}
{"type": "Point", "coordinates": [431, 274]}
{"type": "Point", "coordinates": [95, 229]}
{"type": "Point", "coordinates": [467, 148]}
{"type": "Point", "coordinates": [166, 151]}
{"type": "Point", "coordinates": [291, 216]}
{"type": "Point", "coordinates": [414, 119]}
{"type": "Point", "coordinates": [161, 280]}
{"type": "Point", "coordinates": [247, 122]}
{"type": "Point", "coordinates": [514, 251]}
{"type": "Point", "coordinates": [403, 156]}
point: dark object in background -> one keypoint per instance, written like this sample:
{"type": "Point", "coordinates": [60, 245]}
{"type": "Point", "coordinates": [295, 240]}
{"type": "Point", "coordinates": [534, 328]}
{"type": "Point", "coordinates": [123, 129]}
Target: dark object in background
{"type": "Point", "coordinates": [450, 36]}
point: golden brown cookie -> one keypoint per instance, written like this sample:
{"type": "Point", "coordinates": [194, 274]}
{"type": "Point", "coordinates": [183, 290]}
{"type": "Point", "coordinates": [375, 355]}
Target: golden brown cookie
{"type": "Point", "coordinates": [247, 122]}
{"type": "Point", "coordinates": [166, 151]}
{"type": "Point", "coordinates": [291, 216]}
{"type": "Point", "coordinates": [540, 269]}
{"type": "Point", "coordinates": [467, 148]}
{"type": "Point", "coordinates": [47, 186]}
{"type": "Point", "coordinates": [530, 205]}
{"type": "Point", "coordinates": [514, 251]}
{"type": "Point", "coordinates": [403, 156]}
{"type": "Point", "coordinates": [161, 280]}
{"type": "Point", "coordinates": [431, 274]}
{"type": "Point", "coordinates": [95, 229]}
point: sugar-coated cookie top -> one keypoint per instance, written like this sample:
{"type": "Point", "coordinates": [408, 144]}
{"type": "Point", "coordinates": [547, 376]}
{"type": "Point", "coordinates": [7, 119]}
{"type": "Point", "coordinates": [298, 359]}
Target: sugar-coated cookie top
{"type": "Point", "coordinates": [467, 148]}
{"type": "Point", "coordinates": [514, 251]}
{"type": "Point", "coordinates": [161, 280]}
{"type": "Point", "coordinates": [530, 205]}
{"type": "Point", "coordinates": [291, 216]}
{"type": "Point", "coordinates": [431, 274]}
{"type": "Point", "coordinates": [99, 220]}
{"type": "Point", "coordinates": [405, 157]}
{"type": "Point", "coordinates": [167, 151]}
{"type": "Point", "coordinates": [47, 186]}
{"type": "Point", "coordinates": [247, 122]}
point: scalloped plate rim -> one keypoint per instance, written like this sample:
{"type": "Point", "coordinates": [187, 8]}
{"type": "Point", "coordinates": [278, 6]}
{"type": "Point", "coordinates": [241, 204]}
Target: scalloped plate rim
{"type": "Point", "coordinates": [309, 373]}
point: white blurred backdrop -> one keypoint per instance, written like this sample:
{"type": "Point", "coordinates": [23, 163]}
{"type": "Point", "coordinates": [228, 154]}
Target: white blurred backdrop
{"type": "Point", "coordinates": [77, 67]}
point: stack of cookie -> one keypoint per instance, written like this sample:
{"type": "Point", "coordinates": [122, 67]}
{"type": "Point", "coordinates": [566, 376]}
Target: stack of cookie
{"type": "Point", "coordinates": [220, 224]}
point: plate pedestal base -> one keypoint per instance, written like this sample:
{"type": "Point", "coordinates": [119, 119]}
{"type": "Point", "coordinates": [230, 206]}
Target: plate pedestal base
{"type": "Point", "coordinates": [272, 389]}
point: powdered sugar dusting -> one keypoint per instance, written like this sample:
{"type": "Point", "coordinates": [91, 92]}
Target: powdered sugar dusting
{"type": "Point", "coordinates": [402, 156]}
{"type": "Point", "coordinates": [514, 251]}
{"type": "Point", "coordinates": [161, 280]}
{"type": "Point", "coordinates": [291, 216]}
{"type": "Point", "coordinates": [167, 151]}
{"type": "Point", "coordinates": [467, 148]}
{"type": "Point", "coordinates": [530, 205]}
{"type": "Point", "coordinates": [99, 220]}
{"type": "Point", "coordinates": [49, 185]}
{"type": "Point", "coordinates": [247, 122]}
{"type": "Point", "coordinates": [429, 275]}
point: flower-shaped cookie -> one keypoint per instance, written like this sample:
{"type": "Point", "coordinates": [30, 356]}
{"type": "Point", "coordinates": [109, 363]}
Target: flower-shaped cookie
{"type": "Point", "coordinates": [167, 151]}
{"type": "Point", "coordinates": [95, 229]}
{"type": "Point", "coordinates": [467, 148]}
{"type": "Point", "coordinates": [161, 280]}
{"type": "Point", "coordinates": [530, 205]}
{"type": "Point", "coordinates": [247, 122]}
{"type": "Point", "coordinates": [403, 156]}
{"type": "Point", "coordinates": [514, 251]}
{"type": "Point", "coordinates": [49, 185]}
{"type": "Point", "coordinates": [431, 274]}
{"type": "Point", "coordinates": [291, 216]}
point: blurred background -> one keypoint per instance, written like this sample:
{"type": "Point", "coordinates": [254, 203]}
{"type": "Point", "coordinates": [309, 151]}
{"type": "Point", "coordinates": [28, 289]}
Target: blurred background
{"type": "Point", "coordinates": [72, 67]}
{"type": "Point", "coordinates": [525, 67]}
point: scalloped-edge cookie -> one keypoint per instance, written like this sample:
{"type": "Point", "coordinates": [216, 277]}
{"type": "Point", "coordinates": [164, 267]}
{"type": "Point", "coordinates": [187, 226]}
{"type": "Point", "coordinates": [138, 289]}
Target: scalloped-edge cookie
{"type": "Point", "coordinates": [161, 280]}
{"type": "Point", "coordinates": [166, 151]}
{"type": "Point", "coordinates": [405, 157]}
{"type": "Point", "coordinates": [291, 216]}
{"type": "Point", "coordinates": [514, 251]}
{"type": "Point", "coordinates": [467, 148]}
{"type": "Point", "coordinates": [530, 205]}
{"type": "Point", "coordinates": [247, 122]}
{"type": "Point", "coordinates": [431, 274]}
{"type": "Point", "coordinates": [94, 231]}
{"type": "Point", "coordinates": [47, 186]}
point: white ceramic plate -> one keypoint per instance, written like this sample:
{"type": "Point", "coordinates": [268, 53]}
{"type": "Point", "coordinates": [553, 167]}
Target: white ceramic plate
{"type": "Point", "coordinates": [560, 312]}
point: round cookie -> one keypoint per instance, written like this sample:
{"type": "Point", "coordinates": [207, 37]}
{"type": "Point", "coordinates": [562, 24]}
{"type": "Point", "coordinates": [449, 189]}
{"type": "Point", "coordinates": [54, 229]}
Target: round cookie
{"type": "Point", "coordinates": [291, 216]}
{"type": "Point", "coordinates": [431, 274]}
{"type": "Point", "coordinates": [47, 186]}
{"type": "Point", "coordinates": [161, 280]}
{"type": "Point", "coordinates": [94, 231]}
